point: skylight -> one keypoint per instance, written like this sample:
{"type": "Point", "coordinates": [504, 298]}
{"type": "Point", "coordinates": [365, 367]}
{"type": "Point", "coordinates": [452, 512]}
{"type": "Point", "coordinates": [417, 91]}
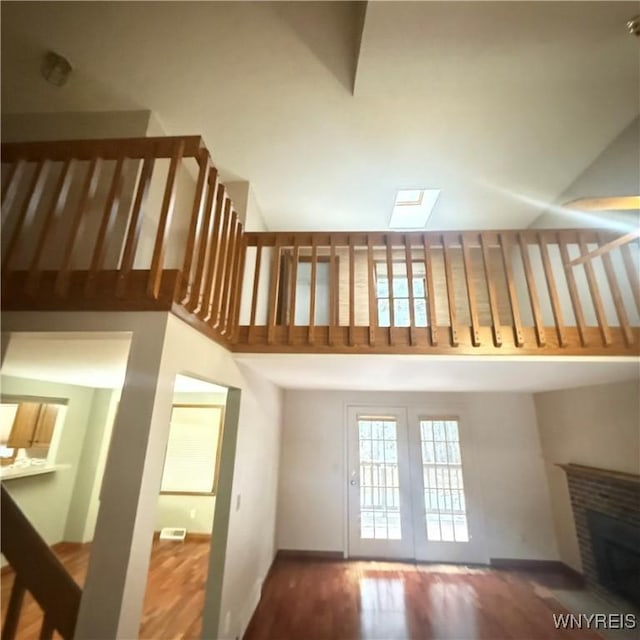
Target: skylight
{"type": "Point", "coordinates": [412, 208]}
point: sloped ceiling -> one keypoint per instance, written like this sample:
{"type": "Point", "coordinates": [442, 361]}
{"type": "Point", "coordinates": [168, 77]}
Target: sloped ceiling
{"type": "Point", "coordinates": [328, 110]}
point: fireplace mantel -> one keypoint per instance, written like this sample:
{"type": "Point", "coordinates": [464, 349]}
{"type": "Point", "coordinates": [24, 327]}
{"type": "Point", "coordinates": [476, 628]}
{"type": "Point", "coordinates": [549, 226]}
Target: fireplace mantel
{"type": "Point", "coordinates": [596, 472]}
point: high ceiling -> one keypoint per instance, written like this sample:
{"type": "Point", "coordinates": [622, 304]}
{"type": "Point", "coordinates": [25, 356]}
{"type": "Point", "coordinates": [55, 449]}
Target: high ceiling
{"type": "Point", "coordinates": [328, 108]}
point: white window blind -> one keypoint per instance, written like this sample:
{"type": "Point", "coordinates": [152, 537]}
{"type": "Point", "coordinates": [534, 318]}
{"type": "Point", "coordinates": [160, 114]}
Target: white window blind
{"type": "Point", "coordinates": [192, 450]}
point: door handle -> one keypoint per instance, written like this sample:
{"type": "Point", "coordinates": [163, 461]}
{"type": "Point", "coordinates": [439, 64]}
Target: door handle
{"type": "Point", "coordinates": [353, 483]}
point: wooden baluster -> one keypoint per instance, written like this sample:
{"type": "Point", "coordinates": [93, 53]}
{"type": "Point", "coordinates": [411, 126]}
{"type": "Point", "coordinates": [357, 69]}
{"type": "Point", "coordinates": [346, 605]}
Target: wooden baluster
{"type": "Point", "coordinates": [273, 290]}
{"type": "Point", "coordinates": [48, 629]}
{"type": "Point", "coordinates": [27, 211]}
{"type": "Point", "coordinates": [334, 290]}
{"type": "Point", "coordinates": [225, 271]}
{"type": "Point", "coordinates": [256, 285]}
{"type": "Point", "coordinates": [618, 301]}
{"type": "Point", "coordinates": [392, 318]}
{"type": "Point", "coordinates": [87, 194]}
{"type": "Point", "coordinates": [352, 290]}
{"type": "Point", "coordinates": [595, 294]}
{"type": "Point", "coordinates": [12, 616]}
{"type": "Point", "coordinates": [10, 188]}
{"type": "Point", "coordinates": [201, 294]}
{"type": "Point", "coordinates": [293, 288]}
{"type": "Point", "coordinates": [408, 254]}
{"type": "Point", "coordinates": [237, 291]}
{"type": "Point", "coordinates": [106, 226]}
{"type": "Point", "coordinates": [573, 291]}
{"type": "Point", "coordinates": [373, 299]}
{"type": "Point", "coordinates": [233, 257]}
{"type": "Point", "coordinates": [135, 226]}
{"type": "Point", "coordinates": [164, 223]}
{"type": "Point", "coordinates": [533, 291]}
{"type": "Point", "coordinates": [553, 292]}
{"type": "Point", "coordinates": [491, 290]}
{"type": "Point", "coordinates": [58, 203]}
{"type": "Point", "coordinates": [312, 290]}
{"type": "Point", "coordinates": [451, 297]}
{"type": "Point", "coordinates": [194, 234]}
{"type": "Point", "coordinates": [234, 280]}
{"type": "Point", "coordinates": [471, 292]}
{"type": "Point", "coordinates": [632, 274]}
{"type": "Point", "coordinates": [210, 309]}
{"type": "Point", "coordinates": [505, 248]}
{"type": "Point", "coordinates": [431, 291]}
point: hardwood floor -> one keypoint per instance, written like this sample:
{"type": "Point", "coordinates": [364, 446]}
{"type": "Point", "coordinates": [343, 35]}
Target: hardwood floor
{"type": "Point", "coordinates": [325, 600]}
{"type": "Point", "coordinates": [173, 600]}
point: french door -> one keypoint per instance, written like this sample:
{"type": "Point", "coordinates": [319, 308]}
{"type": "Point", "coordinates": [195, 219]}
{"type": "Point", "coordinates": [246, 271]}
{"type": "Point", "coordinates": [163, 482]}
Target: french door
{"type": "Point", "coordinates": [409, 494]}
{"type": "Point", "coordinates": [380, 516]}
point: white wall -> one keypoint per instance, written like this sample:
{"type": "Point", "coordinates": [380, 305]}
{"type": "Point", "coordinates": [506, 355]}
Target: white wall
{"type": "Point", "coordinates": [46, 499]}
{"type": "Point", "coordinates": [248, 513]}
{"type": "Point", "coordinates": [597, 426]}
{"type": "Point", "coordinates": [613, 173]}
{"type": "Point", "coordinates": [80, 527]}
{"type": "Point", "coordinates": [74, 125]}
{"type": "Point", "coordinates": [508, 462]}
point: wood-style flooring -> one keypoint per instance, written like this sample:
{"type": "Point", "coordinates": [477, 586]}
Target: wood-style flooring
{"type": "Point", "coordinates": [324, 600]}
{"type": "Point", "coordinates": [174, 597]}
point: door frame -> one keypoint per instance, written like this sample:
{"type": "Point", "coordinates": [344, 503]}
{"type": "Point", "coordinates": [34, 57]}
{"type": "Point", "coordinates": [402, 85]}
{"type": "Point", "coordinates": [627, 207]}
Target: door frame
{"type": "Point", "coordinates": [471, 468]}
{"type": "Point", "coordinates": [403, 549]}
{"type": "Point", "coordinates": [449, 552]}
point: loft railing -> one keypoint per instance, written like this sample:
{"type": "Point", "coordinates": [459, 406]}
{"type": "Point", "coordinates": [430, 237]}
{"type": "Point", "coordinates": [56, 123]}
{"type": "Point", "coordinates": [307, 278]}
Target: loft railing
{"type": "Point", "coordinates": [490, 292]}
{"type": "Point", "coordinates": [132, 224]}
{"type": "Point", "coordinates": [37, 571]}
{"type": "Point", "coordinates": [146, 224]}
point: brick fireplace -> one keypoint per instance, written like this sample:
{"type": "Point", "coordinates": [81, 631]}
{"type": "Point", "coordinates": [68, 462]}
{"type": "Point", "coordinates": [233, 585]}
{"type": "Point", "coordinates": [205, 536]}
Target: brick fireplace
{"type": "Point", "coordinates": [606, 510]}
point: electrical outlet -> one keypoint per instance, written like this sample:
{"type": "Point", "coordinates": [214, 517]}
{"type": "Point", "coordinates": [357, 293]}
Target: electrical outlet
{"type": "Point", "coordinates": [192, 514]}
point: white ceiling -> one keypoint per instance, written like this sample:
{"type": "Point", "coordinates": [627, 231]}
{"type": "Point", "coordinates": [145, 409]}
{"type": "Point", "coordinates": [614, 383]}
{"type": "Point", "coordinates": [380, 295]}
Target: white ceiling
{"type": "Point", "coordinates": [480, 99]}
{"type": "Point", "coordinates": [84, 359]}
{"type": "Point", "coordinates": [100, 361]}
{"type": "Point", "coordinates": [433, 373]}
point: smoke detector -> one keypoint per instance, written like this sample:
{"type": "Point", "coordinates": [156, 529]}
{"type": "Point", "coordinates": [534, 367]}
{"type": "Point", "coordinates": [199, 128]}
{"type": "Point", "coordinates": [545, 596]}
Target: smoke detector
{"type": "Point", "coordinates": [55, 69]}
{"type": "Point", "coordinates": [633, 26]}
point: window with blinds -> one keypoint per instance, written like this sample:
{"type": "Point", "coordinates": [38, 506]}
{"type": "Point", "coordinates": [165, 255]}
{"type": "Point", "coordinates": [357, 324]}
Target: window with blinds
{"type": "Point", "coordinates": [191, 460]}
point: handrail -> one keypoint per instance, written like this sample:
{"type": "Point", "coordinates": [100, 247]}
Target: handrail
{"type": "Point", "coordinates": [121, 223]}
{"type": "Point", "coordinates": [104, 148]}
{"type": "Point", "coordinates": [487, 292]}
{"type": "Point", "coordinates": [146, 224]}
{"type": "Point", "coordinates": [38, 571]}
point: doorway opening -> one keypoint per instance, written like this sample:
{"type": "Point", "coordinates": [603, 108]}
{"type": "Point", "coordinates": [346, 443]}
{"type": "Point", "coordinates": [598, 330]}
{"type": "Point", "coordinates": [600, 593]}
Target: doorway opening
{"type": "Point", "coordinates": [185, 511]}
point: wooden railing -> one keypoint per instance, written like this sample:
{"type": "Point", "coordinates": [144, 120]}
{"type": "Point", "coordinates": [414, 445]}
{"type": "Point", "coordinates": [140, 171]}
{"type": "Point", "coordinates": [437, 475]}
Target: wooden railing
{"type": "Point", "coordinates": [146, 224]}
{"type": "Point", "coordinates": [37, 571]}
{"type": "Point", "coordinates": [489, 292]}
{"type": "Point", "coordinates": [131, 224]}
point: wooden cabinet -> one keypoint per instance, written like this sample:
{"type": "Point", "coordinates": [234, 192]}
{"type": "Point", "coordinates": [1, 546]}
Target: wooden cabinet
{"type": "Point", "coordinates": [33, 425]}
{"type": "Point", "coordinates": [44, 426]}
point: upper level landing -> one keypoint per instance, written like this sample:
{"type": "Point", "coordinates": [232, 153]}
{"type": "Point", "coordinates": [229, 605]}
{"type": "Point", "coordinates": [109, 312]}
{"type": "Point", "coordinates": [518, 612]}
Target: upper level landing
{"type": "Point", "coordinates": [146, 224]}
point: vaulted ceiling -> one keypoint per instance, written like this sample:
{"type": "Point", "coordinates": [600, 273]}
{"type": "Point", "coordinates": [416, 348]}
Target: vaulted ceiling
{"type": "Point", "coordinates": [329, 108]}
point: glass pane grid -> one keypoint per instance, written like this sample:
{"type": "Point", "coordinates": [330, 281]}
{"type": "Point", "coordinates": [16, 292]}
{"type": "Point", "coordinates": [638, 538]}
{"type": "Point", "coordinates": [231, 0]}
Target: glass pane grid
{"type": "Point", "coordinates": [379, 482]}
{"type": "Point", "coordinates": [398, 296]}
{"type": "Point", "coordinates": [444, 499]}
